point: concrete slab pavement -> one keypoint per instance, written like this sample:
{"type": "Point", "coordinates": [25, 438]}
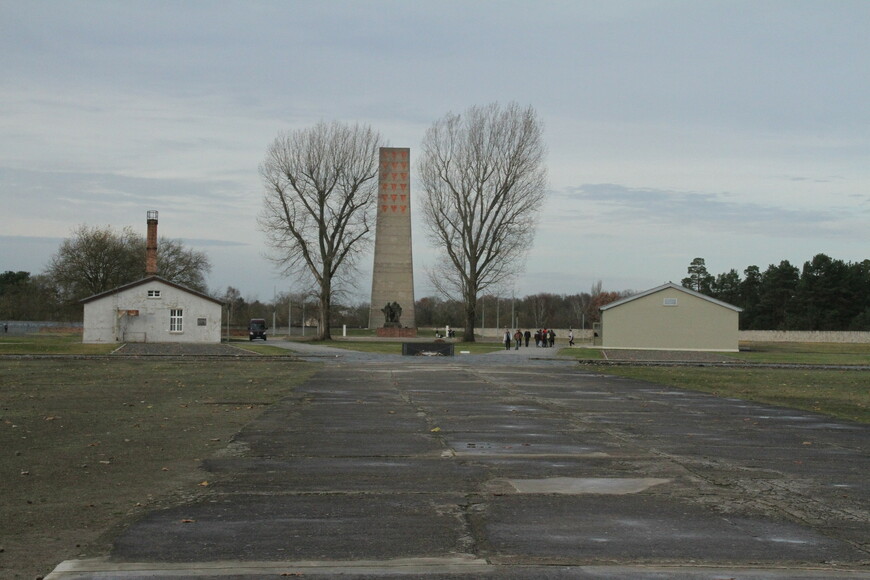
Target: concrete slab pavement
{"type": "Point", "coordinates": [476, 468]}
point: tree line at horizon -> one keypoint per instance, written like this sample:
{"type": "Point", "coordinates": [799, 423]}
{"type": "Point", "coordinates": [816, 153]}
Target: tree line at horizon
{"type": "Point", "coordinates": [825, 294]}
{"type": "Point", "coordinates": [24, 297]}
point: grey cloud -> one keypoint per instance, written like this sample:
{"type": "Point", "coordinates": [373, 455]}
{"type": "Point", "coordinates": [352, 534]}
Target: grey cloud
{"type": "Point", "coordinates": [102, 195]}
{"type": "Point", "coordinates": [200, 242]}
{"type": "Point", "coordinates": [714, 211]}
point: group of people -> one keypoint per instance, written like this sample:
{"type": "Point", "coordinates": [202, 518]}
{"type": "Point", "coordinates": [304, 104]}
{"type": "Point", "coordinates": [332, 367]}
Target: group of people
{"type": "Point", "coordinates": [448, 333]}
{"type": "Point", "coordinates": [544, 338]}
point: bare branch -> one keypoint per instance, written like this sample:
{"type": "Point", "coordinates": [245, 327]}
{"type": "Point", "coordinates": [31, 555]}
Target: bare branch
{"type": "Point", "coordinates": [320, 195]}
{"type": "Point", "coordinates": [484, 181]}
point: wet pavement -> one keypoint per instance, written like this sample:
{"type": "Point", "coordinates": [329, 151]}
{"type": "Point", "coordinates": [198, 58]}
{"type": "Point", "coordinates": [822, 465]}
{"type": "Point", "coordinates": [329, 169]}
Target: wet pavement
{"type": "Point", "coordinates": [511, 465]}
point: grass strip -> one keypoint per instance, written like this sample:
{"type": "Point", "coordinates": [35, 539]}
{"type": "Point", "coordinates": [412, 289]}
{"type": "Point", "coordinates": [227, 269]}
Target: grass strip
{"type": "Point", "coordinates": [48, 343]}
{"type": "Point", "coordinates": [843, 394]}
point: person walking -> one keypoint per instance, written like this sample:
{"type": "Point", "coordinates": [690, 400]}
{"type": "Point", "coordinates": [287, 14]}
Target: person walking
{"type": "Point", "coordinates": [570, 337]}
{"type": "Point", "coordinates": [538, 338]}
{"type": "Point", "coordinates": [518, 338]}
{"type": "Point", "coordinates": [552, 337]}
{"type": "Point", "coordinates": [507, 339]}
{"type": "Point", "coordinates": [527, 335]}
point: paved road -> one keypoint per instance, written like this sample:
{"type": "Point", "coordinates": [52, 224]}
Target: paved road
{"type": "Point", "coordinates": [509, 466]}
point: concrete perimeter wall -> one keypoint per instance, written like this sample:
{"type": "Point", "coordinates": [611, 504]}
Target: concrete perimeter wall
{"type": "Point", "coordinates": [804, 336]}
{"type": "Point", "coordinates": [497, 333]}
{"type": "Point", "coordinates": [854, 337]}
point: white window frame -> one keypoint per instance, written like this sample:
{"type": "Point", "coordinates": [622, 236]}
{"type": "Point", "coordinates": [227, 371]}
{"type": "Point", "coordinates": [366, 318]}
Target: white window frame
{"type": "Point", "coordinates": [154, 294]}
{"type": "Point", "coordinates": [669, 302]}
{"type": "Point", "coordinates": [176, 320]}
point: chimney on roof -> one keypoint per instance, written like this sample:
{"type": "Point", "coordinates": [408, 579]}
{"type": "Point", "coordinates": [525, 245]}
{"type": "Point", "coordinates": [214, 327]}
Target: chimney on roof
{"type": "Point", "coordinates": [151, 245]}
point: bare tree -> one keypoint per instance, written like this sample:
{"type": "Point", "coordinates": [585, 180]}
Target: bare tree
{"type": "Point", "coordinates": [96, 259]}
{"type": "Point", "coordinates": [484, 180]}
{"type": "Point", "coordinates": [319, 204]}
{"type": "Point", "coordinates": [181, 265]}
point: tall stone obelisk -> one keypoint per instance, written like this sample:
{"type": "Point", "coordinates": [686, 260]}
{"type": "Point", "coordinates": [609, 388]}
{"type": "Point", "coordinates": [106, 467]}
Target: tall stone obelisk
{"type": "Point", "coordinates": [392, 306]}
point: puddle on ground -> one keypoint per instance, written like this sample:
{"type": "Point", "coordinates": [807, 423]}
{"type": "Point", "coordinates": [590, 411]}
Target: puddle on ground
{"type": "Point", "coordinates": [585, 485]}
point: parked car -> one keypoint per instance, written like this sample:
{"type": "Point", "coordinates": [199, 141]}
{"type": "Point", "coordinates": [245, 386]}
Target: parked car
{"type": "Point", "coordinates": [257, 328]}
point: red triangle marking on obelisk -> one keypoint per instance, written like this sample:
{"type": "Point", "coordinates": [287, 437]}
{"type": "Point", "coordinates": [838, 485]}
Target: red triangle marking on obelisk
{"type": "Point", "coordinates": [393, 207]}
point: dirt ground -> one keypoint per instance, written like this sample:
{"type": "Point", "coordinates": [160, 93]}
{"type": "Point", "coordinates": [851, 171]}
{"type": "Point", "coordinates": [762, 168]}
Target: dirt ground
{"type": "Point", "coordinates": [89, 445]}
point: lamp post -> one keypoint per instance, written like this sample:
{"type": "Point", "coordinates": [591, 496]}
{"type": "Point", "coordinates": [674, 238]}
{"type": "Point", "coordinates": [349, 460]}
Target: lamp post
{"type": "Point", "coordinates": [482, 315]}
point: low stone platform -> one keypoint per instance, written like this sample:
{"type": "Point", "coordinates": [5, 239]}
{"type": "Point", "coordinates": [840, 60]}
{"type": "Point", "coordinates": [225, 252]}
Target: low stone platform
{"type": "Point", "coordinates": [395, 332]}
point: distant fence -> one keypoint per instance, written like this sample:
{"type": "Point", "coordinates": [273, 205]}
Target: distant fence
{"type": "Point", "coordinates": [804, 336]}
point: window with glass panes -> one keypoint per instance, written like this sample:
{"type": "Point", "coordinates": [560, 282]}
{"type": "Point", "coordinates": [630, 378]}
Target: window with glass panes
{"type": "Point", "coordinates": [175, 320]}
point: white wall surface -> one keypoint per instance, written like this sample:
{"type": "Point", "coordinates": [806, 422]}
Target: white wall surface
{"type": "Point", "coordinates": [105, 319]}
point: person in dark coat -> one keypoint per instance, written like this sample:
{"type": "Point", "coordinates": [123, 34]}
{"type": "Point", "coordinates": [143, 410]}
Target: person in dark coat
{"type": "Point", "coordinates": [527, 335]}
{"type": "Point", "coordinates": [507, 339]}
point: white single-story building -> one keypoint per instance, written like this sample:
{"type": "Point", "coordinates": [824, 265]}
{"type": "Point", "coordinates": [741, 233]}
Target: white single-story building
{"type": "Point", "coordinates": [151, 310]}
{"type": "Point", "coordinates": [669, 317]}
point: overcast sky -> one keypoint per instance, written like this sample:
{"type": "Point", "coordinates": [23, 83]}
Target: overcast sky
{"type": "Point", "coordinates": [737, 131]}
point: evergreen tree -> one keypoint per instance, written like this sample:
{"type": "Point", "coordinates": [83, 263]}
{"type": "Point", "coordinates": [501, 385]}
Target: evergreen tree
{"type": "Point", "coordinates": [726, 287]}
{"type": "Point", "coordinates": [698, 279]}
{"type": "Point", "coordinates": [775, 296]}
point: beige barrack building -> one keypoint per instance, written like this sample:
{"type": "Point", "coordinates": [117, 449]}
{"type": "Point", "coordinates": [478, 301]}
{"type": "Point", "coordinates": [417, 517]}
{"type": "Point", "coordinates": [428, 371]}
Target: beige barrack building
{"type": "Point", "coordinates": [669, 317]}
